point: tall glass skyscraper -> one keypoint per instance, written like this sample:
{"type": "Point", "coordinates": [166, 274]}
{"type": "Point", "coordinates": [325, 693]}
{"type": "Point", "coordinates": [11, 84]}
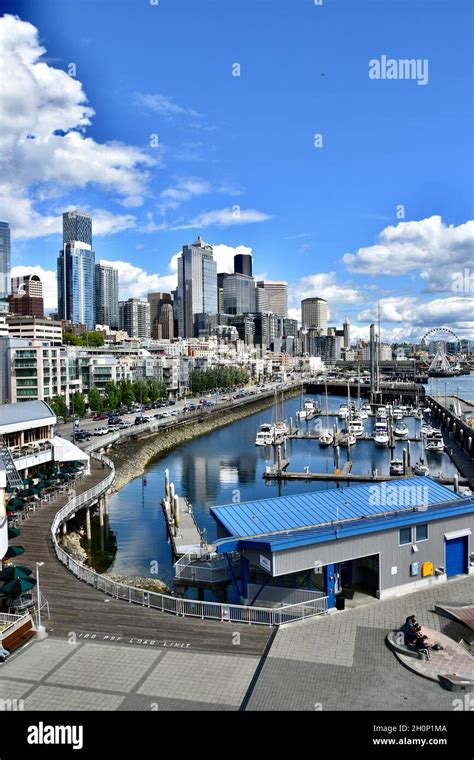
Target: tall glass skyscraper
{"type": "Point", "coordinates": [238, 294]}
{"type": "Point", "coordinates": [106, 296]}
{"type": "Point", "coordinates": [197, 286]}
{"type": "Point", "coordinates": [5, 259]}
{"type": "Point", "coordinates": [76, 270]}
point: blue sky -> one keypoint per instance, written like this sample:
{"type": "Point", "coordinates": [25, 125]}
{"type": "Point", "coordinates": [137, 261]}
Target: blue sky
{"type": "Point", "coordinates": [236, 160]}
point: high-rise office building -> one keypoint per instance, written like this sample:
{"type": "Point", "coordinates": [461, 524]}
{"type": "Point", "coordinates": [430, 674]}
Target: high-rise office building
{"type": "Point", "coordinates": [160, 317]}
{"type": "Point", "coordinates": [106, 295]}
{"type": "Point", "coordinates": [197, 286]}
{"type": "Point", "coordinates": [27, 296]}
{"type": "Point", "coordinates": [76, 270]}
{"type": "Point", "coordinates": [346, 327]}
{"type": "Point", "coordinates": [220, 291]}
{"type": "Point", "coordinates": [272, 295]}
{"type": "Point", "coordinates": [238, 294]}
{"type": "Point", "coordinates": [314, 313]}
{"type": "Point", "coordinates": [5, 259]}
{"type": "Point", "coordinates": [243, 264]}
{"type": "Point", "coordinates": [134, 317]}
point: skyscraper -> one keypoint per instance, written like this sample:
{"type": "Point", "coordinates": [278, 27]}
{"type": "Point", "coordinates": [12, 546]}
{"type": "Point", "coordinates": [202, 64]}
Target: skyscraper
{"type": "Point", "coordinates": [314, 313]}
{"type": "Point", "coordinates": [5, 259]}
{"type": "Point", "coordinates": [197, 286]}
{"type": "Point", "coordinates": [346, 327]}
{"type": "Point", "coordinates": [159, 316]}
{"type": "Point", "coordinates": [134, 317]}
{"type": "Point", "coordinates": [106, 295]}
{"type": "Point", "coordinates": [272, 295]}
{"type": "Point", "coordinates": [238, 294]}
{"type": "Point", "coordinates": [76, 270]}
{"type": "Point", "coordinates": [243, 264]}
{"type": "Point", "coordinates": [27, 296]}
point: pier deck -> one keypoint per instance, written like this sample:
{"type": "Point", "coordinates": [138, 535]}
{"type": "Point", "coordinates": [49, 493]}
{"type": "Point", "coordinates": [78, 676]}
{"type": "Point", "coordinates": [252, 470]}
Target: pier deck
{"type": "Point", "coordinates": [347, 476]}
{"type": "Point", "coordinates": [188, 536]}
{"type": "Point", "coordinates": [77, 608]}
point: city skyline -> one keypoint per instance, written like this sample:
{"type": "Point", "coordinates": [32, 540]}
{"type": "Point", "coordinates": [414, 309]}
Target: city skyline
{"type": "Point", "coordinates": [262, 187]}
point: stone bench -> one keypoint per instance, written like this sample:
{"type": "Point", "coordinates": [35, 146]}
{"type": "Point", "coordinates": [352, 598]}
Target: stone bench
{"type": "Point", "coordinates": [408, 650]}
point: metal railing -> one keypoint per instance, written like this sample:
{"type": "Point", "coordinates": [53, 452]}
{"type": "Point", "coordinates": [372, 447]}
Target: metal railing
{"type": "Point", "coordinates": [234, 613]}
{"type": "Point", "coordinates": [10, 623]}
{"type": "Point", "coordinates": [203, 568]}
{"type": "Point", "coordinates": [281, 596]}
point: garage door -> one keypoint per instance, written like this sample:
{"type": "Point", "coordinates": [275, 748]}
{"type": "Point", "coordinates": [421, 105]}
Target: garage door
{"type": "Point", "coordinates": [456, 556]}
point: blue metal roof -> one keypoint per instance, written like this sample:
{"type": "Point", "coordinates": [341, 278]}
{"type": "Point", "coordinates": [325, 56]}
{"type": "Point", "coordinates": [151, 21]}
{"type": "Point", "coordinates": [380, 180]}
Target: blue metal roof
{"type": "Point", "coordinates": [320, 510]}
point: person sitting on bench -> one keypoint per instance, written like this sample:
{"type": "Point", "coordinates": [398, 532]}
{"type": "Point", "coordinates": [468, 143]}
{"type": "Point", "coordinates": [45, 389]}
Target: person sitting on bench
{"type": "Point", "coordinates": [409, 623]}
{"type": "Point", "coordinates": [413, 634]}
{"type": "Point", "coordinates": [422, 646]}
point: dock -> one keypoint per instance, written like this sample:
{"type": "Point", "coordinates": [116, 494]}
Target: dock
{"type": "Point", "coordinates": [349, 477]}
{"type": "Point", "coordinates": [183, 531]}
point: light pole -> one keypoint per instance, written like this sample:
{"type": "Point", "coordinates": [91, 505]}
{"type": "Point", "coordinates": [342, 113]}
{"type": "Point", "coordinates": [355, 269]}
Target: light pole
{"type": "Point", "coordinates": [40, 629]}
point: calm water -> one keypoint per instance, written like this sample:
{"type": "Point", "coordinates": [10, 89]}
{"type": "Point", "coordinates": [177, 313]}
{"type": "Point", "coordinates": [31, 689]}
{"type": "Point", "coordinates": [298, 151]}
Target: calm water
{"type": "Point", "coordinates": [210, 469]}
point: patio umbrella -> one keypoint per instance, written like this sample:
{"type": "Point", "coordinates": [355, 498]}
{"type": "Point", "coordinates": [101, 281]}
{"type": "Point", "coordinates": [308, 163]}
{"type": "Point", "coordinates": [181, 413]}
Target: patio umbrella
{"type": "Point", "coordinates": [11, 489]}
{"type": "Point", "coordinates": [13, 533]}
{"type": "Point", "coordinates": [14, 551]}
{"type": "Point", "coordinates": [26, 481]}
{"type": "Point", "coordinates": [11, 573]}
{"type": "Point", "coordinates": [15, 502]}
{"type": "Point", "coordinates": [44, 484]}
{"type": "Point", "coordinates": [19, 586]}
{"type": "Point", "coordinates": [24, 569]}
{"type": "Point", "coordinates": [30, 492]}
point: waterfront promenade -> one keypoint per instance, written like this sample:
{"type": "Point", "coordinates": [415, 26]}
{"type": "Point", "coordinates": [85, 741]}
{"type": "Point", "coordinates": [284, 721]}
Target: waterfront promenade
{"type": "Point", "coordinates": [77, 608]}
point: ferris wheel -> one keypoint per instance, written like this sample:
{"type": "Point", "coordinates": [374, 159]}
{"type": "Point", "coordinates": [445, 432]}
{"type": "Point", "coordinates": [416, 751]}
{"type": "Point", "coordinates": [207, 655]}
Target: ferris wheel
{"type": "Point", "coordinates": [440, 336]}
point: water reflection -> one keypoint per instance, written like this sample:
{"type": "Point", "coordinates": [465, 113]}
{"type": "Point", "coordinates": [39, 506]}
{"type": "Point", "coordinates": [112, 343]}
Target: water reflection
{"type": "Point", "coordinates": [224, 466]}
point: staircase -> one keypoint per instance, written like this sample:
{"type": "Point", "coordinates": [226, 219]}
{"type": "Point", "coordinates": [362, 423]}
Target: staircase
{"type": "Point", "coordinates": [13, 477]}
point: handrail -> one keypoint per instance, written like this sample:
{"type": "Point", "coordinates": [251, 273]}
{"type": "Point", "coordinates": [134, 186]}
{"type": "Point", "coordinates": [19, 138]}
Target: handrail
{"type": "Point", "coordinates": [177, 605]}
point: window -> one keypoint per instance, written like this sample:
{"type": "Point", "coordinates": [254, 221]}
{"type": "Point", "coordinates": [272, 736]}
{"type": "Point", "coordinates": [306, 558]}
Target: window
{"type": "Point", "coordinates": [421, 533]}
{"type": "Point", "coordinates": [405, 536]}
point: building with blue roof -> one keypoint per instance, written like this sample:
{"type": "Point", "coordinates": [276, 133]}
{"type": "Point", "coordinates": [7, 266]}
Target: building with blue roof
{"type": "Point", "coordinates": [382, 539]}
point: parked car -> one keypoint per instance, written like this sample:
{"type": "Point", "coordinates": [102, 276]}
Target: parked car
{"type": "Point", "coordinates": [158, 416]}
{"type": "Point", "coordinates": [141, 420]}
{"type": "Point", "coordinates": [99, 417]}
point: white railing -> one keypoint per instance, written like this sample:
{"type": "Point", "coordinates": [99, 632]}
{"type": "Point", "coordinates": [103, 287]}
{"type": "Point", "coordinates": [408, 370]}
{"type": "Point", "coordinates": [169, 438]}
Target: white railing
{"type": "Point", "coordinates": [281, 595]}
{"type": "Point", "coordinates": [185, 607]}
{"type": "Point", "coordinates": [11, 623]}
{"type": "Point", "coordinates": [204, 568]}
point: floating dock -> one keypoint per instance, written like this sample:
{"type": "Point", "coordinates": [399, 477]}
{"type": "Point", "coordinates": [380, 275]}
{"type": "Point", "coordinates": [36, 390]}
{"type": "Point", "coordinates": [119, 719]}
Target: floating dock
{"type": "Point", "coordinates": [183, 531]}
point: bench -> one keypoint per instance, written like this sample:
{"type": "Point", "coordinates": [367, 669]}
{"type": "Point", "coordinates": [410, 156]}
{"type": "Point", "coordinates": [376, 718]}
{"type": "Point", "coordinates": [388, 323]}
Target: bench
{"type": "Point", "coordinates": [406, 649]}
{"type": "Point", "coordinates": [18, 637]}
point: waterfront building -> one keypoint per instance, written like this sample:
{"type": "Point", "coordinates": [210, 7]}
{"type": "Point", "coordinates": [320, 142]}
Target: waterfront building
{"type": "Point", "coordinates": [134, 318]}
{"type": "Point", "coordinates": [197, 286]}
{"type": "Point", "coordinates": [238, 294]}
{"type": "Point", "coordinates": [27, 296]}
{"type": "Point", "coordinates": [106, 295]}
{"type": "Point", "coordinates": [380, 539]}
{"type": "Point", "coordinates": [5, 259]}
{"type": "Point", "coordinates": [36, 328]}
{"type": "Point", "coordinates": [76, 270]}
{"type": "Point", "coordinates": [272, 295]}
{"type": "Point", "coordinates": [243, 264]}
{"type": "Point", "coordinates": [3, 511]}
{"type": "Point", "coordinates": [314, 314]}
{"type": "Point", "coordinates": [28, 432]}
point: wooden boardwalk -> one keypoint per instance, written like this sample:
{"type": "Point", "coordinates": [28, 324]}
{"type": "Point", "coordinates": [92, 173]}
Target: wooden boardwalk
{"type": "Point", "coordinates": [78, 608]}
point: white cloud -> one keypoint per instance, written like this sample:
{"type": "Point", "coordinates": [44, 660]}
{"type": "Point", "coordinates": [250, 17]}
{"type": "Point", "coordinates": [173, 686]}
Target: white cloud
{"type": "Point", "coordinates": [187, 188]}
{"type": "Point", "coordinates": [165, 106]}
{"type": "Point", "coordinates": [136, 282]}
{"type": "Point", "coordinates": [325, 285]}
{"type": "Point", "coordinates": [428, 247]}
{"type": "Point", "coordinates": [225, 217]}
{"type": "Point", "coordinates": [44, 149]}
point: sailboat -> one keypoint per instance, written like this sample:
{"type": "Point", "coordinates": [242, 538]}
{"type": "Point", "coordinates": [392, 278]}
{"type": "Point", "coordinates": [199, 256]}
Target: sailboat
{"type": "Point", "coordinates": [326, 438]}
{"type": "Point", "coordinates": [348, 436]}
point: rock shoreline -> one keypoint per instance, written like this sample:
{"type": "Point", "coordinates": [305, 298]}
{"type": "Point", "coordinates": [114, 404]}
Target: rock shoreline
{"type": "Point", "coordinates": [132, 456]}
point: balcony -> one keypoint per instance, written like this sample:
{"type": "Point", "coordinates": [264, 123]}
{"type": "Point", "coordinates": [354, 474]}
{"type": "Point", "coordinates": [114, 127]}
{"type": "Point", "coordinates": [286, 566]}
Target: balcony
{"type": "Point", "coordinates": [32, 454]}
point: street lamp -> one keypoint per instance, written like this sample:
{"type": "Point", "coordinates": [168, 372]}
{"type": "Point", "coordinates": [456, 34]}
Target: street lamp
{"type": "Point", "coordinates": [40, 629]}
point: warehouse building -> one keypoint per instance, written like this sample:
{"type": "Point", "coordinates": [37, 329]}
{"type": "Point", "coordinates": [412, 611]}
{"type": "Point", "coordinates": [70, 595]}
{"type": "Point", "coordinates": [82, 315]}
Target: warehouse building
{"type": "Point", "coordinates": [379, 540]}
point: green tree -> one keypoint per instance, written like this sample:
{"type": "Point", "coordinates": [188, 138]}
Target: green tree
{"type": "Point", "coordinates": [127, 393]}
{"type": "Point", "coordinates": [95, 400]}
{"type": "Point", "coordinates": [69, 339]}
{"type": "Point", "coordinates": [113, 396]}
{"type": "Point", "coordinates": [92, 339]}
{"type": "Point", "coordinates": [140, 390]}
{"type": "Point", "coordinates": [58, 405]}
{"type": "Point", "coordinates": [156, 389]}
{"type": "Point", "coordinates": [79, 404]}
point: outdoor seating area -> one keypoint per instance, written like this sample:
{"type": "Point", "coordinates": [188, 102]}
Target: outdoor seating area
{"type": "Point", "coordinates": [39, 487]}
{"type": "Point", "coordinates": [433, 655]}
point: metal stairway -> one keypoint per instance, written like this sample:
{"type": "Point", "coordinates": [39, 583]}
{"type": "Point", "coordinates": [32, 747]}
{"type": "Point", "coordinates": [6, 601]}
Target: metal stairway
{"type": "Point", "coordinates": [13, 477]}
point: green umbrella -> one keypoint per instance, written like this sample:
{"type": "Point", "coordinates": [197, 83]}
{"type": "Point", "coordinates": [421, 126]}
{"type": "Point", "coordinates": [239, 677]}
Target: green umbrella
{"type": "Point", "coordinates": [30, 492]}
{"type": "Point", "coordinates": [14, 551]}
{"type": "Point", "coordinates": [13, 533]}
{"type": "Point", "coordinates": [26, 481]}
{"type": "Point", "coordinates": [19, 586]}
{"type": "Point", "coordinates": [11, 573]}
{"type": "Point", "coordinates": [11, 489]}
{"type": "Point", "coordinates": [15, 502]}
